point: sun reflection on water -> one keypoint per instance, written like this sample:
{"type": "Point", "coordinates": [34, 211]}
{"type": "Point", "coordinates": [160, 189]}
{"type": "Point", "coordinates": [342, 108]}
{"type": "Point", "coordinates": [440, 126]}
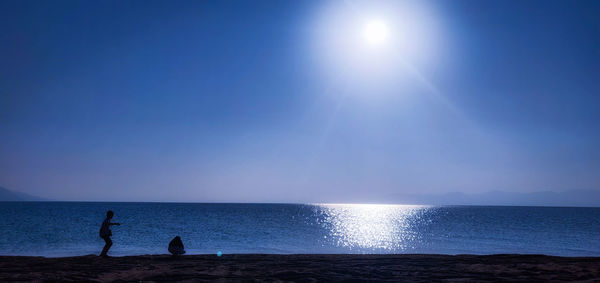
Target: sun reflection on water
{"type": "Point", "coordinates": [371, 226]}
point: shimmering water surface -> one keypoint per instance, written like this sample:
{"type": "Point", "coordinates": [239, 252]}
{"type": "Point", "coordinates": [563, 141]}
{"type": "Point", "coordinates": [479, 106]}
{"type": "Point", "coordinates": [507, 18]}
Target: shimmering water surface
{"type": "Point", "coordinates": [71, 228]}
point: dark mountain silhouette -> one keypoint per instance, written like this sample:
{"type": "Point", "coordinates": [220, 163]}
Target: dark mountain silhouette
{"type": "Point", "coordinates": [8, 195]}
{"type": "Point", "coordinates": [544, 198]}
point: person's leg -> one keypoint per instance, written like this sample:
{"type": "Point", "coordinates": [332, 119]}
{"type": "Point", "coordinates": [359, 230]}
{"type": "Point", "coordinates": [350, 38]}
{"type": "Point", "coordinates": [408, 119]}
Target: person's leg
{"type": "Point", "coordinates": [107, 246]}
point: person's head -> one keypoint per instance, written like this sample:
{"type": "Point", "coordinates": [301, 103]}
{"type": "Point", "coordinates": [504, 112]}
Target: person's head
{"type": "Point", "coordinates": [109, 214]}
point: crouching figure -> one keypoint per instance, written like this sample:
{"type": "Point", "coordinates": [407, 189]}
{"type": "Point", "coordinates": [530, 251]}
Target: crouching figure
{"type": "Point", "coordinates": [176, 246]}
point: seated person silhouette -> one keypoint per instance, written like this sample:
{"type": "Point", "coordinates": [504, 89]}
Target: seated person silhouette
{"type": "Point", "coordinates": [176, 246]}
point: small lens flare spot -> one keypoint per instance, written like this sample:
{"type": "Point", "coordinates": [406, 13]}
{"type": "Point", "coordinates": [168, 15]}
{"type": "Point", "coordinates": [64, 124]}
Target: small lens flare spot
{"type": "Point", "coordinates": [219, 253]}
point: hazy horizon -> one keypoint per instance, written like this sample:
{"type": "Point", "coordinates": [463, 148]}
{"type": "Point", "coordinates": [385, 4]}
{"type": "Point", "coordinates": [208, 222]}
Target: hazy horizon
{"type": "Point", "coordinates": [569, 198]}
{"type": "Point", "coordinates": [296, 101]}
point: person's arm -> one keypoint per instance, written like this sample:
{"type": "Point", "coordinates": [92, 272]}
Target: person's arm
{"type": "Point", "coordinates": [114, 223]}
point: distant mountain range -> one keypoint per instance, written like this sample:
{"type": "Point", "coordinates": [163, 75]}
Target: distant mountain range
{"type": "Point", "coordinates": [8, 195]}
{"type": "Point", "coordinates": [544, 198]}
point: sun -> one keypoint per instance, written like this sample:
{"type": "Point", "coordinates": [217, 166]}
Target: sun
{"type": "Point", "coordinates": [375, 33]}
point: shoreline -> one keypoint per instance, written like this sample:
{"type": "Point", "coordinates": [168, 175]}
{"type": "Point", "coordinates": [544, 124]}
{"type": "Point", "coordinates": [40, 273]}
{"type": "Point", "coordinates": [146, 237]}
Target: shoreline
{"type": "Point", "coordinates": [302, 267]}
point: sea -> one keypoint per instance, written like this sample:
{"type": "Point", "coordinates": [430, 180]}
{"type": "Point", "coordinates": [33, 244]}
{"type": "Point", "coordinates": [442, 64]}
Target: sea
{"type": "Point", "coordinates": [56, 229]}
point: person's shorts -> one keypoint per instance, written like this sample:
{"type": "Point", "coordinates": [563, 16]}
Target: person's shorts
{"type": "Point", "coordinates": [106, 239]}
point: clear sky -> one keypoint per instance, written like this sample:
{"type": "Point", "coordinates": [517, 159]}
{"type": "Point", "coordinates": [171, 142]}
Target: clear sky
{"type": "Point", "coordinates": [297, 101]}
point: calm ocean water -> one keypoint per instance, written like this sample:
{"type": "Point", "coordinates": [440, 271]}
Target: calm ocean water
{"type": "Point", "coordinates": [71, 228]}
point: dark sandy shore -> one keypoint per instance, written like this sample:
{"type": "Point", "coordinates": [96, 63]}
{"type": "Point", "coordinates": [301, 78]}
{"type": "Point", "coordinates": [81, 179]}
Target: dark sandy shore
{"type": "Point", "coordinates": [259, 267]}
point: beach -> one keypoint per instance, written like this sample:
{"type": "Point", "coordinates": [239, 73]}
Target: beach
{"type": "Point", "coordinates": [302, 267]}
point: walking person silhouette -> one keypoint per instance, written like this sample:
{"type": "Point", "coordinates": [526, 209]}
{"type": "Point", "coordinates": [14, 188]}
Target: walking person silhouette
{"type": "Point", "coordinates": [105, 232]}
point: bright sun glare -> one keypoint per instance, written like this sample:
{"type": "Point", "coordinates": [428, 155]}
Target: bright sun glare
{"type": "Point", "coordinates": [370, 44]}
{"type": "Point", "coordinates": [376, 32]}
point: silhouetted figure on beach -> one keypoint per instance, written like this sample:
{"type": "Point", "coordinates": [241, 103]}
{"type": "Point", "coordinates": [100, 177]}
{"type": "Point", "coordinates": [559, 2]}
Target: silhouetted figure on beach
{"type": "Point", "coordinates": [105, 233]}
{"type": "Point", "coordinates": [176, 246]}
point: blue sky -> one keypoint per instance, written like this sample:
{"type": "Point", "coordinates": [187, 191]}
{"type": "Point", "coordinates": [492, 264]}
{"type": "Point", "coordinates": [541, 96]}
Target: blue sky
{"type": "Point", "coordinates": [274, 101]}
